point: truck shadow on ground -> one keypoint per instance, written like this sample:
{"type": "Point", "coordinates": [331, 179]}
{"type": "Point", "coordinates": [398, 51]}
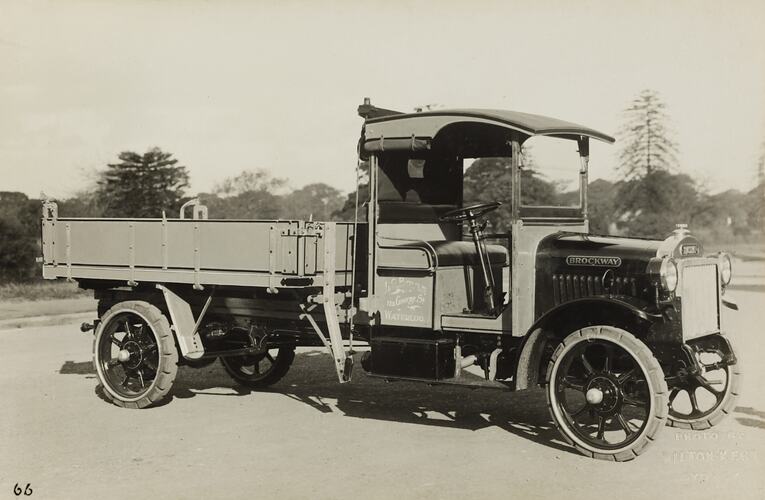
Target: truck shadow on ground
{"type": "Point", "coordinates": [77, 368]}
{"type": "Point", "coordinates": [759, 417]}
{"type": "Point", "coordinates": [312, 381]}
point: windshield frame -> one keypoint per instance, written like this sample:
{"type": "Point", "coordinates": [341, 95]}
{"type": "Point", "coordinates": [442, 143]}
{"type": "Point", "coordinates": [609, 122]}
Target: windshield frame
{"type": "Point", "coordinates": [539, 212]}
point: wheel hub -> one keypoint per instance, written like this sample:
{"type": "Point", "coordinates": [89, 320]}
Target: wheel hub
{"type": "Point", "coordinates": [594, 396]}
{"type": "Point", "coordinates": [131, 354]}
{"type": "Point", "coordinates": [603, 394]}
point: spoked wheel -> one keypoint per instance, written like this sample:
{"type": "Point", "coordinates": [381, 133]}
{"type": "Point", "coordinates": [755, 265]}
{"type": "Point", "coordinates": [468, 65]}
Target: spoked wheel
{"type": "Point", "coordinates": [606, 393]}
{"type": "Point", "coordinates": [134, 354]}
{"type": "Point", "coordinates": [260, 370]}
{"type": "Point", "coordinates": [701, 400]}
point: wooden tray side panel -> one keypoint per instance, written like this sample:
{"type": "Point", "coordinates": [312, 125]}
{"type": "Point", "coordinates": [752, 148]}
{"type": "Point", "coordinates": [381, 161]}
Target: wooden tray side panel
{"type": "Point", "coordinates": [198, 250]}
{"type": "Point", "coordinates": [233, 246]}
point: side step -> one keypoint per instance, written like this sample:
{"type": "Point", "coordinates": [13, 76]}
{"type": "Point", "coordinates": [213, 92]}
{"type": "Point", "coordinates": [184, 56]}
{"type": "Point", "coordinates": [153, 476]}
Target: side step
{"type": "Point", "coordinates": [343, 363]}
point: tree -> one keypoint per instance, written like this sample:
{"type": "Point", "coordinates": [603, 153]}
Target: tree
{"type": "Point", "coordinates": [487, 180]}
{"type": "Point", "coordinates": [246, 205]}
{"type": "Point", "coordinates": [17, 251]}
{"type": "Point", "coordinates": [653, 198]}
{"type": "Point", "coordinates": [347, 211]}
{"type": "Point", "coordinates": [251, 194]}
{"type": "Point", "coordinates": [19, 236]}
{"type": "Point", "coordinates": [19, 207]}
{"type": "Point", "coordinates": [317, 200]}
{"type": "Point", "coordinates": [249, 180]}
{"type": "Point", "coordinates": [84, 203]}
{"type": "Point", "coordinates": [490, 179]}
{"type": "Point", "coordinates": [721, 217]}
{"type": "Point", "coordinates": [648, 146]}
{"type": "Point", "coordinates": [601, 200]}
{"type": "Point", "coordinates": [650, 206]}
{"type": "Point", "coordinates": [142, 185]}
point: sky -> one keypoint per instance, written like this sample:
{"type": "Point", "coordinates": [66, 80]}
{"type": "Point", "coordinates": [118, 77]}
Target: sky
{"type": "Point", "coordinates": [234, 85]}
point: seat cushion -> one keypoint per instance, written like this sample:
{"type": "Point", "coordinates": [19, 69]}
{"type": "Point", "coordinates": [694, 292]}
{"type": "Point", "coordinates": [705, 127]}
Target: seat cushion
{"type": "Point", "coordinates": [464, 253]}
{"type": "Point", "coordinates": [404, 212]}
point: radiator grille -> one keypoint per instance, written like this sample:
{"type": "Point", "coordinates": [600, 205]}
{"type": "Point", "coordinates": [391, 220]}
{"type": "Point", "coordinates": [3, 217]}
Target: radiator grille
{"type": "Point", "coordinates": [700, 306]}
{"type": "Point", "coordinates": [575, 286]}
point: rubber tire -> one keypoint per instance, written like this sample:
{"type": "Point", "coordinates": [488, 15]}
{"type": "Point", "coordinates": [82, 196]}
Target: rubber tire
{"type": "Point", "coordinates": [722, 411]}
{"type": "Point", "coordinates": [167, 368]}
{"type": "Point", "coordinates": [655, 375]}
{"type": "Point", "coordinates": [283, 362]}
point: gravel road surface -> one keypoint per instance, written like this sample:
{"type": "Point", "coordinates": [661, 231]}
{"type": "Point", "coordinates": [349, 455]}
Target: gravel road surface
{"type": "Point", "coordinates": [309, 437]}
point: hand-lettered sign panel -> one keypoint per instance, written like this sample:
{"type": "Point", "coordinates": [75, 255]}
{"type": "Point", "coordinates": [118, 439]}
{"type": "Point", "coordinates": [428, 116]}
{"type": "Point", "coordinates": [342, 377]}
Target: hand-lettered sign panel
{"type": "Point", "coordinates": [406, 301]}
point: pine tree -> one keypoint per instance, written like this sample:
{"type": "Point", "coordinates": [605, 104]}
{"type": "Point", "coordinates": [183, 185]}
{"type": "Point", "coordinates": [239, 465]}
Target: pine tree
{"type": "Point", "coordinates": [655, 196]}
{"type": "Point", "coordinates": [648, 146]}
{"type": "Point", "coordinates": [143, 185]}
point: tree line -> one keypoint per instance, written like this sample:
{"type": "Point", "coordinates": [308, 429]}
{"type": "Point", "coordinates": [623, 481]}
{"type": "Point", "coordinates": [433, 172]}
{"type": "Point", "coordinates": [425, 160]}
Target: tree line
{"type": "Point", "coordinates": [652, 195]}
{"type": "Point", "coordinates": [154, 184]}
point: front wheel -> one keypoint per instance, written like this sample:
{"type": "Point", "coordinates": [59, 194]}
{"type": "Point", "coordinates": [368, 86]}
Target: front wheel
{"type": "Point", "coordinates": [606, 393]}
{"type": "Point", "coordinates": [701, 400]}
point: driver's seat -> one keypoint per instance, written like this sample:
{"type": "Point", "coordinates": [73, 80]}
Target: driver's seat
{"type": "Point", "coordinates": [408, 225]}
{"type": "Point", "coordinates": [461, 253]}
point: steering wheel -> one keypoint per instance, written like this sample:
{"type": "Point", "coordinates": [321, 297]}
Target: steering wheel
{"type": "Point", "coordinates": [469, 213]}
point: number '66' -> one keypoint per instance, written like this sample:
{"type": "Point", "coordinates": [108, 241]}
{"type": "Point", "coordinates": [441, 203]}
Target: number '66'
{"type": "Point", "coordinates": [27, 491]}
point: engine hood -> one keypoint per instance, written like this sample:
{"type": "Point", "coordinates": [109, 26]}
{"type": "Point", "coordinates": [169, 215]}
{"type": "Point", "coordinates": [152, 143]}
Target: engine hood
{"type": "Point", "coordinates": [581, 253]}
{"type": "Point", "coordinates": [573, 265]}
{"type": "Point", "coordinates": [570, 266]}
{"type": "Point", "coordinates": [627, 255]}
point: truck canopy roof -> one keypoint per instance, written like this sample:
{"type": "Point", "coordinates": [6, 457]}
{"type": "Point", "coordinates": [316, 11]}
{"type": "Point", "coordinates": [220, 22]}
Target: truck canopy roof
{"type": "Point", "coordinates": [393, 131]}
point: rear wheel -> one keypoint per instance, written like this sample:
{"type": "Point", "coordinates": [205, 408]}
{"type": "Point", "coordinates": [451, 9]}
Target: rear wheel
{"type": "Point", "coordinates": [606, 393]}
{"type": "Point", "coordinates": [260, 370]}
{"type": "Point", "coordinates": [134, 354]}
{"type": "Point", "coordinates": [700, 401]}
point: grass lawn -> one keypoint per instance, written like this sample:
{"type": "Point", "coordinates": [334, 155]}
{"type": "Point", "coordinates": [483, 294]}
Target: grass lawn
{"type": "Point", "coordinates": [41, 290]}
{"type": "Point", "coordinates": [754, 251]}
{"type": "Point", "coordinates": [19, 301]}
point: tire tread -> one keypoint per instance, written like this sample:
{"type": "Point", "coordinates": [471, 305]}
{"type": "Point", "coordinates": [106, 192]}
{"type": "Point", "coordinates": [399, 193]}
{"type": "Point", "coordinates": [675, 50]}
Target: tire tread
{"type": "Point", "coordinates": [653, 371]}
{"type": "Point", "coordinates": [165, 343]}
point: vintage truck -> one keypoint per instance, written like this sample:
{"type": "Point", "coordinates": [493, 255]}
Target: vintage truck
{"type": "Point", "coordinates": [625, 334]}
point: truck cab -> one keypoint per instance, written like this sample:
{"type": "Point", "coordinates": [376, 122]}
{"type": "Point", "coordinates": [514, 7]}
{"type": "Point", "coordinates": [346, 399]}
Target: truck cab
{"type": "Point", "coordinates": [427, 239]}
{"type": "Point", "coordinates": [542, 301]}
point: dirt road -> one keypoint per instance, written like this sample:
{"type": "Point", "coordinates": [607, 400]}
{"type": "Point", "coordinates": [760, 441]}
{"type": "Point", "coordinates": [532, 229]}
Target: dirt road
{"type": "Point", "coordinates": [312, 438]}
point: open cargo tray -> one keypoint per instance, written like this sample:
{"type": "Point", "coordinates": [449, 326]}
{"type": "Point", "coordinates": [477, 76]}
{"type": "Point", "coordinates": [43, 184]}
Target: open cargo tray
{"type": "Point", "coordinates": [261, 253]}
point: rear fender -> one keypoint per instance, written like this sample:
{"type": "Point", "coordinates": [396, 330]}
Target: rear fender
{"type": "Point", "coordinates": [183, 323]}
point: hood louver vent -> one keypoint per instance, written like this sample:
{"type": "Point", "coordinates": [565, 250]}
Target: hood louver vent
{"type": "Point", "coordinates": [568, 287]}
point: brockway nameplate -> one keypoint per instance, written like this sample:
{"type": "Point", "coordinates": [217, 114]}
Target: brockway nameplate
{"type": "Point", "coordinates": [587, 260]}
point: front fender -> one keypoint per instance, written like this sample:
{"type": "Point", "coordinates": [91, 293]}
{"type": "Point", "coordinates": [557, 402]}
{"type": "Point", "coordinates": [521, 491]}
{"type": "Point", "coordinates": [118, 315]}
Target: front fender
{"type": "Point", "coordinates": [554, 325]}
{"type": "Point", "coordinates": [629, 304]}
